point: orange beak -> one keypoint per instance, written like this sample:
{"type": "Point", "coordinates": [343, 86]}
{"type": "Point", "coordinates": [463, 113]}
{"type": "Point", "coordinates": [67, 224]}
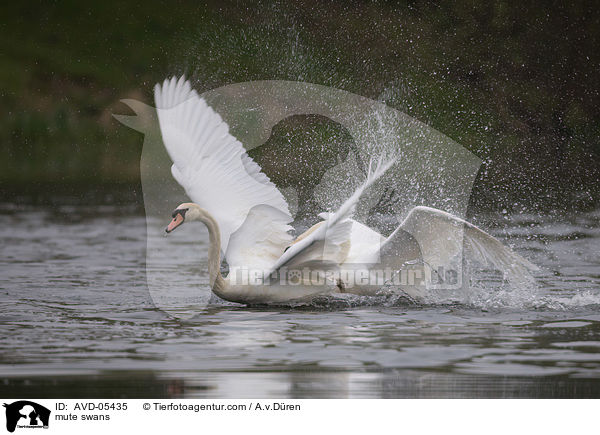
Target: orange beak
{"type": "Point", "coordinates": [177, 220]}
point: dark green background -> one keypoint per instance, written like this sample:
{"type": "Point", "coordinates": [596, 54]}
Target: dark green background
{"type": "Point", "coordinates": [517, 83]}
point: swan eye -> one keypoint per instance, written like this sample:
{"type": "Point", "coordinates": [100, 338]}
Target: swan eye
{"type": "Point", "coordinates": [180, 211]}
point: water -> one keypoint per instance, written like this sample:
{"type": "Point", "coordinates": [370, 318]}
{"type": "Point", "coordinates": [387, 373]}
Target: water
{"type": "Point", "coordinates": [77, 320]}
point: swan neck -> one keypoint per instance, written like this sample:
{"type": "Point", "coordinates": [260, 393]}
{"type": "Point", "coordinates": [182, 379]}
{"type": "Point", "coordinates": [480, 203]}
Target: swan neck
{"type": "Point", "coordinates": [217, 282]}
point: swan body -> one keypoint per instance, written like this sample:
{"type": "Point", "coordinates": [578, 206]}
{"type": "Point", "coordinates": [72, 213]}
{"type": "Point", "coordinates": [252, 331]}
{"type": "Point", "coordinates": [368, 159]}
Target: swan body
{"type": "Point", "coordinates": [248, 221]}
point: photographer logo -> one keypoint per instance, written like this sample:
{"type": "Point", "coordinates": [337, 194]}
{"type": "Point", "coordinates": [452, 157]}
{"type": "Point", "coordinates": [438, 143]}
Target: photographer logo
{"type": "Point", "coordinates": [25, 414]}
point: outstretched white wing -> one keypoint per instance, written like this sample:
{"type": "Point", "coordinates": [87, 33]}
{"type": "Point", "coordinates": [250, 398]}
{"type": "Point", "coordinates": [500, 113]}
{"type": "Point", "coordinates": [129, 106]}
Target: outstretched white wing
{"type": "Point", "coordinates": [217, 174]}
{"type": "Point", "coordinates": [444, 239]}
{"type": "Point", "coordinates": [329, 243]}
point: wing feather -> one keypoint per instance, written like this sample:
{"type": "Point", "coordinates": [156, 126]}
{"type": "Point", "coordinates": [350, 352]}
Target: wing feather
{"type": "Point", "coordinates": [445, 238]}
{"type": "Point", "coordinates": [217, 174]}
{"type": "Point", "coordinates": [330, 241]}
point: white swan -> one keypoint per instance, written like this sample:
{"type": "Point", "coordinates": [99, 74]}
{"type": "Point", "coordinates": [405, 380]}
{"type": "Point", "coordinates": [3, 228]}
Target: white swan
{"type": "Point", "coordinates": [248, 220]}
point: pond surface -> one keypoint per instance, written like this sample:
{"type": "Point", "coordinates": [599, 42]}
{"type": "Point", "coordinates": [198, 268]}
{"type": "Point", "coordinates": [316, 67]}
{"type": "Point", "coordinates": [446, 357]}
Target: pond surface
{"type": "Point", "coordinates": [77, 320]}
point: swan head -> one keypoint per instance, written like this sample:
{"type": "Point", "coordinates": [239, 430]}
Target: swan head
{"type": "Point", "coordinates": [186, 212]}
